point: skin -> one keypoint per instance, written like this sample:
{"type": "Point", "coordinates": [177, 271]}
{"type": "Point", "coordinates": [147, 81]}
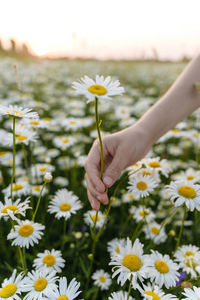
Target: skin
{"type": "Point", "coordinates": [126, 147]}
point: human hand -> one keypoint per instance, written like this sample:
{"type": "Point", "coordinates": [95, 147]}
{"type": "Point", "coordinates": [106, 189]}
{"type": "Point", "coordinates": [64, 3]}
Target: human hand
{"type": "Point", "coordinates": [120, 150]}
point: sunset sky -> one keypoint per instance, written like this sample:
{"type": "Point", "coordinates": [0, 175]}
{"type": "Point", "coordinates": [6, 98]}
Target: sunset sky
{"type": "Point", "coordinates": [103, 28]}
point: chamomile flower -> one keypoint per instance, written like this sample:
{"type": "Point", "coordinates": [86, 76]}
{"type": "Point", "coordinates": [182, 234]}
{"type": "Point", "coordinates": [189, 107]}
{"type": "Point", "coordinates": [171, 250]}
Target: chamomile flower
{"type": "Point", "coordinates": [115, 245]}
{"type": "Point", "coordinates": [191, 294]}
{"type": "Point", "coordinates": [130, 262]}
{"type": "Point", "coordinates": [49, 260]}
{"type": "Point", "coordinates": [142, 214]}
{"type": "Point", "coordinates": [19, 189]}
{"type": "Point", "coordinates": [185, 192]}
{"type": "Point", "coordinates": [64, 142]}
{"type": "Point", "coordinates": [13, 208]}
{"type": "Point", "coordinates": [154, 232]}
{"type": "Point", "coordinates": [26, 233]}
{"type": "Point", "coordinates": [141, 185]}
{"type": "Point", "coordinates": [39, 284]}
{"type": "Point", "coordinates": [188, 257]}
{"type": "Point", "coordinates": [162, 270]}
{"type": "Point", "coordinates": [90, 217]}
{"type": "Point", "coordinates": [64, 204]}
{"type": "Point", "coordinates": [65, 291]}
{"type": "Point", "coordinates": [18, 112]}
{"type": "Point", "coordinates": [128, 197]}
{"type": "Point", "coordinates": [12, 287]}
{"type": "Point", "coordinates": [102, 279]}
{"type": "Point", "coordinates": [150, 292]}
{"type": "Point", "coordinates": [120, 296]}
{"type": "Point", "coordinates": [158, 165]}
{"type": "Point", "coordinates": [101, 88]}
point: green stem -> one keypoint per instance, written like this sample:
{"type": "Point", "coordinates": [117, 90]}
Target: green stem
{"type": "Point", "coordinates": [99, 134]}
{"type": "Point", "coordinates": [91, 264]}
{"type": "Point", "coordinates": [181, 229]}
{"type": "Point", "coordinates": [22, 258]}
{"type": "Point", "coordinates": [64, 233]}
{"type": "Point", "coordinates": [13, 169]}
{"type": "Point", "coordinates": [95, 295]}
{"type": "Point", "coordinates": [129, 290]}
{"type": "Point", "coordinates": [38, 203]}
{"type": "Point", "coordinates": [26, 162]}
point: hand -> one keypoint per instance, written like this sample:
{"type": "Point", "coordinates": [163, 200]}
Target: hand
{"type": "Point", "coordinates": [120, 150]}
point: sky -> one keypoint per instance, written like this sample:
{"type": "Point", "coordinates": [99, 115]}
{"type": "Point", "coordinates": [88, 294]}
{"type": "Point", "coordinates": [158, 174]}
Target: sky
{"type": "Point", "coordinates": [169, 29]}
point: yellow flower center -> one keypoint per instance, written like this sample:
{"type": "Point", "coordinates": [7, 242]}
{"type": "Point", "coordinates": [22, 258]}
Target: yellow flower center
{"type": "Point", "coordinates": [62, 298]}
{"type": "Point", "coordinates": [21, 137]}
{"type": "Point", "coordinates": [65, 206]}
{"type": "Point", "coordinates": [146, 173]}
{"type": "Point", "coordinates": [49, 260]}
{"type": "Point", "coordinates": [190, 263]}
{"type": "Point", "coordinates": [65, 140]}
{"type": "Point", "coordinates": [175, 130]}
{"type": "Point", "coordinates": [26, 230]}
{"type": "Point", "coordinates": [144, 213]}
{"type": "Point", "coordinates": [97, 89]}
{"type": "Point", "coordinates": [10, 207]}
{"type": "Point", "coordinates": [16, 112]}
{"type": "Point", "coordinates": [2, 153]}
{"type": "Point", "coordinates": [155, 230]}
{"type": "Point", "coordinates": [17, 187]}
{"type": "Point", "coordinates": [131, 196]}
{"type": "Point", "coordinates": [187, 191]}
{"type": "Point", "coordinates": [195, 134]}
{"type": "Point", "coordinates": [154, 164]}
{"type": "Point", "coordinates": [36, 188]}
{"type": "Point", "coordinates": [93, 217]}
{"type": "Point", "coordinates": [153, 295]}
{"type": "Point", "coordinates": [117, 250]}
{"type": "Point", "coordinates": [102, 278]}
{"type": "Point", "coordinates": [161, 266]}
{"type": "Point", "coordinates": [34, 122]}
{"type": "Point", "coordinates": [132, 262]}
{"type": "Point", "coordinates": [8, 290]}
{"type": "Point", "coordinates": [42, 169]}
{"type": "Point", "coordinates": [123, 111]}
{"type": "Point", "coordinates": [189, 253]}
{"type": "Point", "coordinates": [72, 122]}
{"type": "Point", "coordinates": [190, 177]}
{"type": "Point", "coordinates": [47, 119]}
{"type": "Point", "coordinates": [40, 284]}
{"type": "Point", "coordinates": [141, 185]}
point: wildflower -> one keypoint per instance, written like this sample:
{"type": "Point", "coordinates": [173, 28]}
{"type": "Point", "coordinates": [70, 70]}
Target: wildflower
{"type": "Point", "coordinates": [115, 245]}
{"type": "Point", "coordinates": [64, 204]}
{"type": "Point", "coordinates": [102, 88]}
{"type": "Point", "coordinates": [192, 293]}
{"type": "Point", "coordinates": [141, 185]}
{"type": "Point", "coordinates": [102, 279]}
{"type": "Point", "coordinates": [49, 260]}
{"type": "Point", "coordinates": [120, 296]}
{"type": "Point", "coordinates": [48, 177]}
{"type": "Point", "coordinates": [18, 112]}
{"type": "Point", "coordinates": [154, 232]}
{"type": "Point", "coordinates": [142, 214]}
{"type": "Point", "coordinates": [13, 208]}
{"type": "Point", "coordinates": [130, 262]}
{"type": "Point", "coordinates": [90, 218]}
{"type": "Point", "coordinates": [150, 292]}
{"type": "Point", "coordinates": [26, 233]}
{"type": "Point", "coordinates": [12, 287]}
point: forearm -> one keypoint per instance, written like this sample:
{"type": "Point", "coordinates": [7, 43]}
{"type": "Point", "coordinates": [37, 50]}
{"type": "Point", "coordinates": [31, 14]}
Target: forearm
{"type": "Point", "coordinates": [180, 101]}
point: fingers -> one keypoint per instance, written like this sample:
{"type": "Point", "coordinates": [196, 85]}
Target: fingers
{"type": "Point", "coordinates": [93, 201]}
{"type": "Point", "coordinates": [92, 168]}
{"type": "Point", "coordinates": [95, 196]}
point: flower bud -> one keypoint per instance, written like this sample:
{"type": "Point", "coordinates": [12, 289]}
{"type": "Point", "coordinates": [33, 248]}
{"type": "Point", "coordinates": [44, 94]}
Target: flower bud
{"type": "Point", "coordinates": [48, 177]}
{"type": "Point", "coordinates": [186, 285]}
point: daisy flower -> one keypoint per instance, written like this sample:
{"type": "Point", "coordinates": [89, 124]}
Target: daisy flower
{"type": "Point", "coordinates": [154, 232]}
{"type": "Point", "coordinates": [72, 123]}
{"type": "Point", "coordinates": [13, 208]}
{"type": "Point", "coordinates": [101, 88]}
{"type": "Point", "coordinates": [142, 214]}
{"type": "Point", "coordinates": [65, 292]}
{"type": "Point", "coordinates": [102, 279]}
{"type": "Point", "coordinates": [192, 294]}
{"type": "Point", "coordinates": [188, 257]}
{"type": "Point", "coordinates": [26, 233]}
{"type": "Point", "coordinates": [12, 287]}
{"type": "Point", "coordinates": [150, 292]}
{"type": "Point", "coordinates": [39, 284]}
{"type": "Point", "coordinates": [189, 175]}
{"type": "Point", "coordinates": [158, 165]}
{"type": "Point", "coordinates": [128, 197]}
{"type": "Point", "coordinates": [120, 296]}
{"type": "Point", "coordinates": [130, 261]}
{"type": "Point", "coordinates": [64, 142]}
{"type": "Point", "coordinates": [18, 112]}
{"type": "Point", "coordinates": [162, 270]}
{"type": "Point", "coordinates": [90, 217]}
{"type": "Point", "coordinates": [185, 192]}
{"type": "Point", "coordinates": [49, 260]}
{"type": "Point", "coordinates": [141, 185]}
{"type": "Point", "coordinates": [114, 246]}
{"type": "Point", "coordinates": [19, 189]}
{"type": "Point", "coordinates": [64, 204]}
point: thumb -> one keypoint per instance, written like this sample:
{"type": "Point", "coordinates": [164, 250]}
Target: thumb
{"type": "Point", "coordinates": [114, 170]}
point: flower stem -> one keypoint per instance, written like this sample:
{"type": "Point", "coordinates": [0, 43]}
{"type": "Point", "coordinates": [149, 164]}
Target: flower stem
{"type": "Point", "coordinates": [64, 233]}
{"type": "Point", "coordinates": [129, 290]}
{"type": "Point", "coordinates": [22, 258]}
{"type": "Point", "coordinates": [13, 168]}
{"type": "Point", "coordinates": [38, 203]}
{"type": "Point", "coordinates": [98, 126]}
{"type": "Point", "coordinates": [181, 229]}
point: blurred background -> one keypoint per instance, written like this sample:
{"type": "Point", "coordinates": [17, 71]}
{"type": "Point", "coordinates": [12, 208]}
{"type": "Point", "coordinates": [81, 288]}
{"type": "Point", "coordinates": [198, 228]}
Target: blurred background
{"type": "Point", "coordinates": [106, 29]}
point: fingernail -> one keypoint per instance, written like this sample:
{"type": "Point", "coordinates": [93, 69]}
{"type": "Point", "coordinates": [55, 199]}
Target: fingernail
{"type": "Point", "coordinates": [107, 180]}
{"type": "Point", "coordinates": [99, 198]}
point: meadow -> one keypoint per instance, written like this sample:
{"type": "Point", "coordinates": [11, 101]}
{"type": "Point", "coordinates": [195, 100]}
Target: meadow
{"type": "Point", "coordinates": [49, 236]}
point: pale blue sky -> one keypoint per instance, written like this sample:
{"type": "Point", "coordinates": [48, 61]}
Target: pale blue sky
{"type": "Point", "coordinates": [104, 28]}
